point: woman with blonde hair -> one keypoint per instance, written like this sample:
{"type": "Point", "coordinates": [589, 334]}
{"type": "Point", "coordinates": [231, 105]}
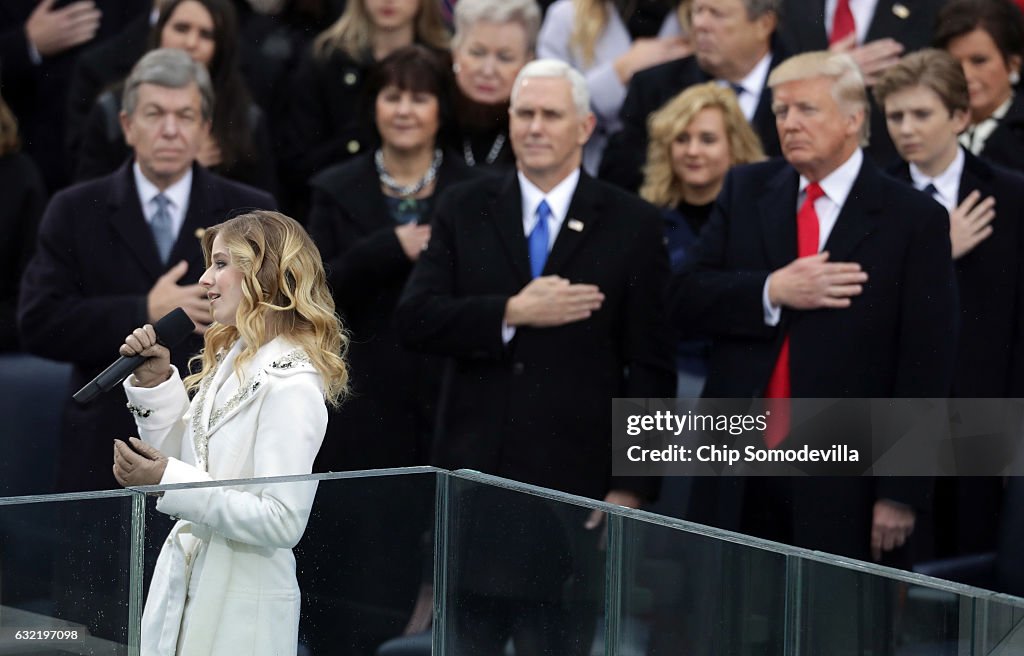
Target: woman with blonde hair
{"type": "Point", "coordinates": [328, 117]}
{"type": "Point", "coordinates": [694, 140]}
{"type": "Point", "coordinates": [225, 578]}
{"type": "Point", "coordinates": [608, 41]}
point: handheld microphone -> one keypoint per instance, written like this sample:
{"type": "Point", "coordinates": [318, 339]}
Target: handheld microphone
{"type": "Point", "coordinates": [171, 330]}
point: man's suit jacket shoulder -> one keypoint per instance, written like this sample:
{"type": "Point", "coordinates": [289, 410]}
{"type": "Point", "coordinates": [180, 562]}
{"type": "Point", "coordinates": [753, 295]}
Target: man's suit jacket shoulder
{"type": "Point", "coordinates": [207, 187]}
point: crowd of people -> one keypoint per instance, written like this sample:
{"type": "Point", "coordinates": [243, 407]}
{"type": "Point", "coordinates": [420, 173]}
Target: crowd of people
{"type": "Point", "coordinates": [524, 211]}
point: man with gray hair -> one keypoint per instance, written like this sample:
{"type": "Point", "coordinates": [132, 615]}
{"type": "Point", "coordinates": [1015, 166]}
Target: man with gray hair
{"type": "Point", "coordinates": [546, 289]}
{"type": "Point", "coordinates": [123, 250]}
{"type": "Point", "coordinates": [819, 276]}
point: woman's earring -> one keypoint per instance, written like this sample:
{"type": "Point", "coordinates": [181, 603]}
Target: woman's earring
{"type": "Point", "coordinates": [456, 68]}
{"type": "Point", "coordinates": [1014, 78]}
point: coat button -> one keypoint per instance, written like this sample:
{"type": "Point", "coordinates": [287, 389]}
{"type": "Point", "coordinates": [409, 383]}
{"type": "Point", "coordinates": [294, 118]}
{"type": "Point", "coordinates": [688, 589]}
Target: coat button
{"type": "Point", "coordinates": [518, 368]}
{"type": "Point", "coordinates": [350, 79]}
{"type": "Point", "coordinates": [352, 147]}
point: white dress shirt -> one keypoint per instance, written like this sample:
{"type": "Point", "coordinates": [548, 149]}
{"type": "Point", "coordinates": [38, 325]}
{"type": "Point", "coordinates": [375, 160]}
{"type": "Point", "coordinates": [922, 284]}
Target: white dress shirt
{"type": "Point", "coordinates": [947, 183]}
{"type": "Point", "coordinates": [752, 86]}
{"type": "Point", "coordinates": [837, 186]}
{"type": "Point", "coordinates": [559, 199]}
{"type": "Point", "coordinates": [178, 195]}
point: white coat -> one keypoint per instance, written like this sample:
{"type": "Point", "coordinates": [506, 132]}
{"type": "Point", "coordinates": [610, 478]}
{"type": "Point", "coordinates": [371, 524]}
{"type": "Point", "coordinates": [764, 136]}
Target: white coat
{"type": "Point", "coordinates": [225, 578]}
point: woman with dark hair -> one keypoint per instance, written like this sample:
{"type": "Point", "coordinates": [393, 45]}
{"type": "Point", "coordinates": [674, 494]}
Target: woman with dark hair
{"type": "Point", "coordinates": [327, 123]}
{"type": "Point", "coordinates": [239, 146]}
{"type": "Point", "coordinates": [370, 217]}
{"type": "Point", "coordinates": [987, 38]}
{"type": "Point", "coordinates": [23, 200]}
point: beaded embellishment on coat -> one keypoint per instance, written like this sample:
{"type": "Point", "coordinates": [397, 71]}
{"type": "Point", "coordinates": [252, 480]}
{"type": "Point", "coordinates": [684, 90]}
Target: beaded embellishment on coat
{"type": "Point", "coordinates": [240, 395]}
{"type": "Point", "coordinates": [139, 411]}
{"type": "Point", "coordinates": [291, 359]}
{"type": "Point", "coordinates": [201, 433]}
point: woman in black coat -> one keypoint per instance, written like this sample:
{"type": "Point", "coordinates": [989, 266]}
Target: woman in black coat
{"type": "Point", "coordinates": [371, 219]}
{"type": "Point", "coordinates": [327, 117]}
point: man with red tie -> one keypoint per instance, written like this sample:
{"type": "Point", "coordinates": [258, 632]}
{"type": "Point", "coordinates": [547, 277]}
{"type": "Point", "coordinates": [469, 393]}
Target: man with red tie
{"type": "Point", "coordinates": [874, 32]}
{"type": "Point", "coordinates": [819, 276]}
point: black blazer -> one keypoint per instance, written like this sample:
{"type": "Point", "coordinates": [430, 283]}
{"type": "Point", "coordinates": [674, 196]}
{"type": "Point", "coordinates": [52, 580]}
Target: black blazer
{"type": "Point", "coordinates": [85, 289]}
{"type": "Point", "coordinates": [538, 409]}
{"type": "Point", "coordinates": [990, 352]}
{"type": "Point", "coordinates": [328, 118]}
{"type": "Point", "coordinates": [649, 90]}
{"type": "Point", "coordinates": [896, 340]}
{"type": "Point", "coordinates": [388, 420]}
{"type": "Point", "coordinates": [802, 27]}
{"type": "Point", "coordinates": [37, 93]}
{"type": "Point", "coordinates": [910, 22]}
{"type": "Point", "coordinates": [1005, 146]}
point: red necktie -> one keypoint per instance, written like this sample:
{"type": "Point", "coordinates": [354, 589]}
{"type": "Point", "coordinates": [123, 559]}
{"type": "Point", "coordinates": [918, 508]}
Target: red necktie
{"type": "Point", "coordinates": [842, 23]}
{"type": "Point", "coordinates": [778, 384]}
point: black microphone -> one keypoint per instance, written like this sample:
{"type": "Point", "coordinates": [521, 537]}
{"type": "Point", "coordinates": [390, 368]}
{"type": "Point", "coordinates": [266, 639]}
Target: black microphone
{"type": "Point", "coordinates": [171, 330]}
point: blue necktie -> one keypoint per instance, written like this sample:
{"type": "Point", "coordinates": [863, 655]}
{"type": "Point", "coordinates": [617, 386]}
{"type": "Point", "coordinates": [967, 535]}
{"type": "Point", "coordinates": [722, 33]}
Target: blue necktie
{"type": "Point", "coordinates": [538, 241]}
{"type": "Point", "coordinates": [931, 190]}
{"type": "Point", "coordinates": [162, 227]}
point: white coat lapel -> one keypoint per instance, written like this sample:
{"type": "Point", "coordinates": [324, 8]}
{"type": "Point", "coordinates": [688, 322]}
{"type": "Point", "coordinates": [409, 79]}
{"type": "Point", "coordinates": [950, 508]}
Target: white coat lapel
{"type": "Point", "coordinates": [203, 405]}
{"type": "Point", "coordinates": [254, 383]}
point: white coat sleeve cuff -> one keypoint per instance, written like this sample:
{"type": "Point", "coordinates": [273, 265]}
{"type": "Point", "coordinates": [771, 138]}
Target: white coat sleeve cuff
{"type": "Point", "coordinates": [188, 503]}
{"type": "Point", "coordinates": [157, 408]}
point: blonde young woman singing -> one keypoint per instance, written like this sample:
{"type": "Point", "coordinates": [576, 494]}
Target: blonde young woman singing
{"type": "Point", "coordinates": [225, 578]}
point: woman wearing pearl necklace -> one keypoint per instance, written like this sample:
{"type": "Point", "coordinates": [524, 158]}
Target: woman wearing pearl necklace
{"type": "Point", "coordinates": [370, 218]}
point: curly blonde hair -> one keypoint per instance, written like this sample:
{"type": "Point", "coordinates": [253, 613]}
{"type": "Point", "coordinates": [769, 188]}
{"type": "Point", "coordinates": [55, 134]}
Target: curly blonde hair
{"type": "Point", "coordinates": [284, 293]}
{"type": "Point", "coordinates": [353, 32]}
{"type": "Point", "coordinates": [661, 186]}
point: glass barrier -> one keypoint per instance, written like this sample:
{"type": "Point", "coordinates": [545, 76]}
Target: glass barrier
{"type": "Point", "coordinates": [520, 570]}
{"type": "Point", "coordinates": [65, 573]}
{"type": "Point", "coordinates": [673, 587]}
{"type": "Point", "coordinates": [335, 563]}
{"type": "Point", "coordinates": [421, 561]}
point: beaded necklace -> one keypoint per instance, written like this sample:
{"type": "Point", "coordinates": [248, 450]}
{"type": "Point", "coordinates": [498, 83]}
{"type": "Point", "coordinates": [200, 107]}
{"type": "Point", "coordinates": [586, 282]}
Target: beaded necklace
{"type": "Point", "coordinates": [405, 191]}
{"type": "Point", "coordinates": [492, 154]}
